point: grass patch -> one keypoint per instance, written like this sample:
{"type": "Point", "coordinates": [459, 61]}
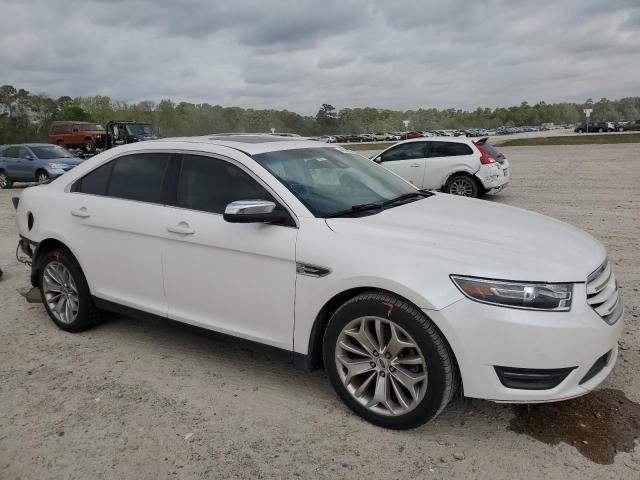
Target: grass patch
{"type": "Point", "coordinates": [367, 146]}
{"type": "Point", "coordinates": [583, 139]}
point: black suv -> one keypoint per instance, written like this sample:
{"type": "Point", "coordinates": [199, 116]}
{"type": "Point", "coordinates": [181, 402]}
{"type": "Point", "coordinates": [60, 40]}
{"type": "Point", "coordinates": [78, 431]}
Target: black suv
{"type": "Point", "coordinates": [595, 127]}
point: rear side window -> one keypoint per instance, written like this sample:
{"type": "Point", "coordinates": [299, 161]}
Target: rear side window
{"type": "Point", "coordinates": [448, 149]}
{"type": "Point", "coordinates": [405, 151]}
{"type": "Point", "coordinates": [12, 152]}
{"type": "Point", "coordinates": [96, 182]}
{"type": "Point", "coordinates": [139, 177]}
{"type": "Point", "coordinates": [209, 185]}
{"type": "Point", "coordinates": [133, 177]}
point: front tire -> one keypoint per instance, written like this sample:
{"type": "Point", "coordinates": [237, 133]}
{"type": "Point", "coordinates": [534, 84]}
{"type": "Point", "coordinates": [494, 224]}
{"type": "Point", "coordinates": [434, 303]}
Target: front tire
{"type": "Point", "coordinates": [462, 185]}
{"type": "Point", "coordinates": [65, 292]}
{"type": "Point", "coordinates": [5, 181]}
{"type": "Point", "coordinates": [42, 176]}
{"type": "Point", "coordinates": [388, 362]}
{"type": "Point", "coordinates": [89, 146]}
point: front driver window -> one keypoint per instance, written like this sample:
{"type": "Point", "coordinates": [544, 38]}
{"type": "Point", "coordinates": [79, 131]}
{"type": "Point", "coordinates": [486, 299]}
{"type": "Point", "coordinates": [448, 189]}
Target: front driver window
{"type": "Point", "coordinates": [405, 151]}
{"type": "Point", "coordinates": [209, 185]}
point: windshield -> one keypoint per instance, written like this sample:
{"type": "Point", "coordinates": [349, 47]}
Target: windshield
{"type": "Point", "coordinates": [332, 180]}
{"type": "Point", "coordinates": [53, 151]}
{"type": "Point", "coordinates": [140, 130]}
{"type": "Point", "coordinates": [91, 127]}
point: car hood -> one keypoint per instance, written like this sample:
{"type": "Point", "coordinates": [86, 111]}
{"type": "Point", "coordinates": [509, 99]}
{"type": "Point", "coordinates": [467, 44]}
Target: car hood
{"type": "Point", "coordinates": [478, 238]}
{"type": "Point", "coordinates": [67, 161]}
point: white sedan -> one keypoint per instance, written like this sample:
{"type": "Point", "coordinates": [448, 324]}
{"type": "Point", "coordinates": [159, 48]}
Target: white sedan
{"type": "Point", "coordinates": [404, 296]}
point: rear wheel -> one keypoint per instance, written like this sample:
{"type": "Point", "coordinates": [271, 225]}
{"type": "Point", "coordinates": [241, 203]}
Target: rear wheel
{"type": "Point", "coordinates": [5, 181]}
{"type": "Point", "coordinates": [463, 186]}
{"type": "Point", "coordinates": [620, 129]}
{"type": "Point", "coordinates": [65, 292]}
{"type": "Point", "coordinates": [60, 143]}
{"type": "Point", "coordinates": [580, 130]}
{"type": "Point", "coordinates": [601, 130]}
{"type": "Point", "coordinates": [388, 362]}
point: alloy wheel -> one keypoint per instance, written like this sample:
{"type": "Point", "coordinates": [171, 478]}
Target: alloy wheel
{"type": "Point", "coordinates": [462, 187]}
{"type": "Point", "coordinates": [381, 366]}
{"type": "Point", "coordinates": [3, 180]}
{"type": "Point", "coordinates": [60, 292]}
{"type": "Point", "coordinates": [43, 177]}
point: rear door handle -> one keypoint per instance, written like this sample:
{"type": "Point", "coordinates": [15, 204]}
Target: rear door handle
{"type": "Point", "coordinates": [81, 213]}
{"type": "Point", "coordinates": [182, 228]}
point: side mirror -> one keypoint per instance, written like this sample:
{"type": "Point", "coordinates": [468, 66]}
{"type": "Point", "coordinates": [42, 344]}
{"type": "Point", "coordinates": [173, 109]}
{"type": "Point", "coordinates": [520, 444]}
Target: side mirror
{"type": "Point", "coordinates": [378, 159]}
{"type": "Point", "coordinates": [253, 211]}
{"type": "Point", "coordinates": [28, 157]}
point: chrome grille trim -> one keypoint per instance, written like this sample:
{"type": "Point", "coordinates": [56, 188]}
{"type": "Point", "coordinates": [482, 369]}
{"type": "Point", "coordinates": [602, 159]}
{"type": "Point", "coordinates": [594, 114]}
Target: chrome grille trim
{"type": "Point", "coordinates": [603, 295]}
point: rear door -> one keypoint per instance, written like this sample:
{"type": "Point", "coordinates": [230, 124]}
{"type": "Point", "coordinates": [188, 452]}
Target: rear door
{"type": "Point", "coordinates": [444, 158]}
{"type": "Point", "coordinates": [12, 162]}
{"type": "Point", "coordinates": [118, 229]}
{"type": "Point", "coordinates": [406, 160]}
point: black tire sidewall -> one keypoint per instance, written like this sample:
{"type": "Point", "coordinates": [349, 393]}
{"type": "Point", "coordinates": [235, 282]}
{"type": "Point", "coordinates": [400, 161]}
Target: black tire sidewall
{"type": "Point", "coordinates": [40, 172]}
{"type": "Point", "coordinates": [432, 402]}
{"type": "Point", "coordinates": [87, 315]}
{"type": "Point", "coordinates": [89, 146]}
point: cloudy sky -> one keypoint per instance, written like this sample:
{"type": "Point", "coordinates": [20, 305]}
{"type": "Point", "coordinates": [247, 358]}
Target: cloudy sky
{"type": "Point", "coordinates": [299, 54]}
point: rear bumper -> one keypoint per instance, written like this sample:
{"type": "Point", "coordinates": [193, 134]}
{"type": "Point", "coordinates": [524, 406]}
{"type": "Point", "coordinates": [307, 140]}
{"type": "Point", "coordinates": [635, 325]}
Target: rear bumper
{"type": "Point", "coordinates": [492, 177]}
{"type": "Point", "coordinates": [484, 337]}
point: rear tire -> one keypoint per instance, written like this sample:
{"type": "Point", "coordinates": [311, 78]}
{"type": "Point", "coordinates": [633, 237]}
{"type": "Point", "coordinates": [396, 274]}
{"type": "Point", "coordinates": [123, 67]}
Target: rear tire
{"type": "Point", "coordinates": [60, 143]}
{"type": "Point", "coordinates": [5, 181]}
{"type": "Point", "coordinates": [600, 130]}
{"type": "Point", "coordinates": [410, 365]}
{"type": "Point", "coordinates": [580, 130]}
{"type": "Point", "coordinates": [462, 185]}
{"type": "Point", "coordinates": [65, 292]}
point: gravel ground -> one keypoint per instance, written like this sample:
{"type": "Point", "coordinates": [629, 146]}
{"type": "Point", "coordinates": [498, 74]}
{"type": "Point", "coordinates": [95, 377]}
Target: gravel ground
{"type": "Point", "coordinates": [146, 399]}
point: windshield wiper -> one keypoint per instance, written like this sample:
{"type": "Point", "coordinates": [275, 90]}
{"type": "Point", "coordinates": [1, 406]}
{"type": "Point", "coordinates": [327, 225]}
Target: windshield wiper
{"type": "Point", "coordinates": [356, 208]}
{"type": "Point", "coordinates": [407, 196]}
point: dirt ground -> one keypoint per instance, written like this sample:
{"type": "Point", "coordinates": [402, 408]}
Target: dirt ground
{"type": "Point", "coordinates": [147, 400]}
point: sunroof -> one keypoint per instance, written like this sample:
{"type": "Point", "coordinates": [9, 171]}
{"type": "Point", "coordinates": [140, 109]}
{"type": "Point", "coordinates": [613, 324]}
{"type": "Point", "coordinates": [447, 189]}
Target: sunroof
{"type": "Point", "coordinates": [250, 138]}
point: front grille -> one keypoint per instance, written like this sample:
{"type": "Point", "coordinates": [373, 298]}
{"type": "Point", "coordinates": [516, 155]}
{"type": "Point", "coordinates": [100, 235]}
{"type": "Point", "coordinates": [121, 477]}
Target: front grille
{"type": "Point", "coordinates": [532, 378]}
{"type": "Point", "coordinates": [603, 295]}
{"type": "Point", "coordinates": [597, 367]}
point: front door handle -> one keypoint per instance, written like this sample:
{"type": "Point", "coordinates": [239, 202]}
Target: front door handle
{"type": "Point", "coordinates": [182, 228]}
{"type": "Point", "coordinates": [414, 165]}
{"type": "Point", "coordinates": [81, 213]}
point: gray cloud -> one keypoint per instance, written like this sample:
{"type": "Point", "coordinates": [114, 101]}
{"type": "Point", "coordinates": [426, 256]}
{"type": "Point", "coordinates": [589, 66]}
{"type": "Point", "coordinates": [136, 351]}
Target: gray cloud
{"type": "Point", "coordinates": [299, 54]}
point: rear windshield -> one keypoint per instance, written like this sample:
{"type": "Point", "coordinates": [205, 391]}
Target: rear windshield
{"type": "Point", "coordinates": [91, 127]}
{"type": "Point", "coordinates": [493, 152]}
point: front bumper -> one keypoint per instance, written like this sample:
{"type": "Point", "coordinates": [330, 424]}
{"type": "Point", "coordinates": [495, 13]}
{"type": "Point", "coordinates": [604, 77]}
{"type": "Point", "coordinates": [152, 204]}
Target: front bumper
{"type": "Point", "coordinates": [483, 337]}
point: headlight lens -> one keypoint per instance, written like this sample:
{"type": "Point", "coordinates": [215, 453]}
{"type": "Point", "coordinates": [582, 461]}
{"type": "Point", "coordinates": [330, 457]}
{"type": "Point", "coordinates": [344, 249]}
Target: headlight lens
{"type": "Point", "coordinates": [57, 165]}
{"type": "Point", "coordinates": [531, 296]}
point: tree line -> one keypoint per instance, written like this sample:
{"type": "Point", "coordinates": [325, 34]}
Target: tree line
{"type": "Point", "coordinates": [26, 117]}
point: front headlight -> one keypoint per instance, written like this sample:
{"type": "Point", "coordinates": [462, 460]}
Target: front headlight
{"type": "Point", "coordinates": [58, 165]}
{"type": "Point", "coordinates": [531, 296]}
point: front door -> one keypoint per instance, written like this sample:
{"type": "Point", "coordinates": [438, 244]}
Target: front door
{"type": "Point", "coordinates": [230, 277]}
{"type": "Point", "coordinates": [406, 160]}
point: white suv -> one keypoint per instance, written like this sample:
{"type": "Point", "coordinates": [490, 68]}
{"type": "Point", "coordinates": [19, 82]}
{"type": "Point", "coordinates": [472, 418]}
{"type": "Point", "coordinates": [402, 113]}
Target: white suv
{"type": "Point", "coordinates": [456, 165]}
{"type": "Point", "coordinates": [405, 296]}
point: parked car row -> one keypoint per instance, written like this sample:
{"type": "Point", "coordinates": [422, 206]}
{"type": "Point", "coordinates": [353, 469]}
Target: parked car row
{"type": "Point", "coordinates": [34, 162]}
{"type": "Point", "coordinates": [600, 127]}
{"type": "Point", "coordinates": [404, 296]}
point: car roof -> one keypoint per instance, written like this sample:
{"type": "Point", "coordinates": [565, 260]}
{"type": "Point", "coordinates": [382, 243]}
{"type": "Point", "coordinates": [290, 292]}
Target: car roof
{"type": "Point", "coordinates": [460, 139]}
{"type": "Point", "coordinates": [251, 144]}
